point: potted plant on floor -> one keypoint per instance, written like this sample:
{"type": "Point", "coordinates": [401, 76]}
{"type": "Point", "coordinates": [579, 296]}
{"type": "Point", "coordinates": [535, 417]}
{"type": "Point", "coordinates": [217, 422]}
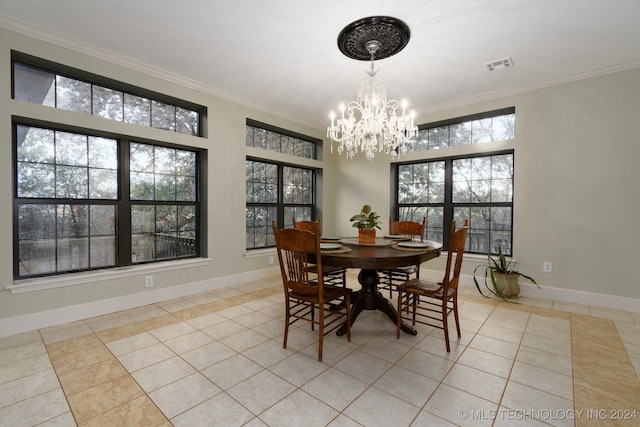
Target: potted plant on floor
{"type": "Point", "coordinates": [366, 222]}
{"type": "Point", "coordinates": [499, 278]}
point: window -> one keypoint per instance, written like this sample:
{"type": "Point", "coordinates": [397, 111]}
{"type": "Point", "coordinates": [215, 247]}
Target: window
{"type": "Point", "coordinates": [477, 187]}
{"type": "Point", "coordinates": [56, 86]}
{"type": "Point", "coordinates": [73, 213]}
{"type": "Point", "coordinates": [163, 194]}
{"type": "Point", "coordinates": [86, 200]}
{"type": "Point", "coordinates": [274, 190]}
{"type": "Point", "coordinates": [271, 139]}
{"type": "Point", "coordinates": [490, 126]}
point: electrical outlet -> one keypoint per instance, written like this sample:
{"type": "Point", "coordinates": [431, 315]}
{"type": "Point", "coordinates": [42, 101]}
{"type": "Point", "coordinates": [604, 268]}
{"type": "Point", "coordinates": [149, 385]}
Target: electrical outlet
{"type": "Point", "coordinates": [547, 267]}
{"type": "Point", "coordinates": [270, 260]}
{"type": "Point", "coordinates": [148, 281]}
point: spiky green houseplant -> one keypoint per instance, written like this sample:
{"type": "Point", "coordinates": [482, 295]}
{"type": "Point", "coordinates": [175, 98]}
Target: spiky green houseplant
{"type": "Point", "coordinates": [499, 279]}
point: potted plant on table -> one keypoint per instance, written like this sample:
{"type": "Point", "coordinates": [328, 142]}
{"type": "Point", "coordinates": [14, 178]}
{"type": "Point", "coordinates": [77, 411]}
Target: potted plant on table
{"type": "Point", "coordinates": [366, 222]}
{"type": "Point", "coordinates": [499, 278]}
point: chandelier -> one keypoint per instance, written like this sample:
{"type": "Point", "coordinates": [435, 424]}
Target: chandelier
{"type": "Point", "coordinates": [372, 123]}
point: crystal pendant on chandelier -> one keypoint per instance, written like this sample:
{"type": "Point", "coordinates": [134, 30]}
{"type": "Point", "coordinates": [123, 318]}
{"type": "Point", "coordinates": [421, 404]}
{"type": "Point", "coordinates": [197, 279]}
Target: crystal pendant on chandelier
{"type": "Point", "coordinates": [372, 123]}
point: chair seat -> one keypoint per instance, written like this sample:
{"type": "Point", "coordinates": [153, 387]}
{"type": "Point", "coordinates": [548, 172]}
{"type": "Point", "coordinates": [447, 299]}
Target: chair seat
{"type": "Point", "coordinates": [424, 288]}
{"type": "Point", "coordinates": [331, 293]}
{"type": "Point", "coordinates": [390, 278]}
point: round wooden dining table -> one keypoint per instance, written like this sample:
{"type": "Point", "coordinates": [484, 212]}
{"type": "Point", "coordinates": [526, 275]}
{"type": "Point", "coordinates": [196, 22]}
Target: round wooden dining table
{"type": "Point", "coordinates": [370, 258]}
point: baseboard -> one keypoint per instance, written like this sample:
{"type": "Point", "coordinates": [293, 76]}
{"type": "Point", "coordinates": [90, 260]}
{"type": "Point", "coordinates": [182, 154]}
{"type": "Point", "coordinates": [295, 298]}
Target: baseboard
{"type": "Point", "coordinates": [45, 319]}
{"type": "Point", "coordinates": [559, 294]}
{"type": "Point", "coordinates": [59, 316]}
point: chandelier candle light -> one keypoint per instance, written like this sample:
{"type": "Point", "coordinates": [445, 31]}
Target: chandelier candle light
{"type": "Point", "coordinates": [373, 123]}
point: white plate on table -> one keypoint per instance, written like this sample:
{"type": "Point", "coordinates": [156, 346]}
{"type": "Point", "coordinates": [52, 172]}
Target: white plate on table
{"type": "Point", "coordinates": [436, 245]}
{"type": "Point", "coordinates": [330, 238]}
{"type": "Point", "coordinates": [396, 236]}
{"type": "Point", "coordinates": [330, 246]}
{"type": "Point", "coordinates": [413, 244]}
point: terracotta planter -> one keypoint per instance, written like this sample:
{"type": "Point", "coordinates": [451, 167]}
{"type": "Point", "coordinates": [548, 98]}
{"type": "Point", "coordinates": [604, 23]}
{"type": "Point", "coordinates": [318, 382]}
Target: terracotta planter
{"type": "Point", "coordinates": [507, 284]}
{"type": "Point", "coordinates": [367, 237]}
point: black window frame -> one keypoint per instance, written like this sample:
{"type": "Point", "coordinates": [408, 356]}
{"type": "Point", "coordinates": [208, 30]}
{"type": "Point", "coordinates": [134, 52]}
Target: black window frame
{"type": "Point", "coordinates": [280, 205]}
{"type": "Point", "coordinates": [123, 203]}
{"type": "Point", "coordinates": [194, 246]}
{"type": "Point", "coordinates": [469, 119]}
{"type": "Point", "coordinates": [315, 144]}
{"type": "Point", "coordinates": [58, 69]}
{"type": "Point", "coordinates": [296, 161]}
{"type": "Point", "coordinates": [448, 206]}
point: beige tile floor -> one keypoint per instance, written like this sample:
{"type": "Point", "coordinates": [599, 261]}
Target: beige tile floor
{"type": "Point", "coordinates": [217, 359]}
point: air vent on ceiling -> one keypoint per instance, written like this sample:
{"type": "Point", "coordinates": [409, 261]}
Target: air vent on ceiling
{"type": "Point", "coordinates": [500, 63]}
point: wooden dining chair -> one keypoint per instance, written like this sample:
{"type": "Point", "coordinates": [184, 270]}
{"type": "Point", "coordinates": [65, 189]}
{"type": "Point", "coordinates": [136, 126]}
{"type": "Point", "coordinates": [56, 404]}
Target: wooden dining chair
{"type": "Point", "coordinates": [333, 276]}
{"type": "Point", "coordinates": [430, 303]}
{"type": "Point", "coordinates": [390, 279]}
{"type": "Point", "coordinates": [304, 296]}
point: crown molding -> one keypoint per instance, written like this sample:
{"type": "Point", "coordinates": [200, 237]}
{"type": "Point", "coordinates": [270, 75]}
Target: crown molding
{"type": "Point", "coordinates": [104, 55]}
{"type": "Point", "coordinates": [518, 90]}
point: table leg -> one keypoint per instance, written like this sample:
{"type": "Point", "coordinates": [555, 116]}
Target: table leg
{"type": "Point", "coordinates": [369, 298]}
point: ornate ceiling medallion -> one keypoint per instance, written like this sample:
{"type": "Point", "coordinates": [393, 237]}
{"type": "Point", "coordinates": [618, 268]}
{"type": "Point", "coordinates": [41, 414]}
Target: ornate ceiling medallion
{"type": "Point", "coordinates": [391, 34]}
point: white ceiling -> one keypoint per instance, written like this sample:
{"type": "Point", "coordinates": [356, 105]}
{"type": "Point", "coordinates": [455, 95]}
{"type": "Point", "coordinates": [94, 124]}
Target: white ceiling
{"type": "Point", "coordinates": [282, 55]}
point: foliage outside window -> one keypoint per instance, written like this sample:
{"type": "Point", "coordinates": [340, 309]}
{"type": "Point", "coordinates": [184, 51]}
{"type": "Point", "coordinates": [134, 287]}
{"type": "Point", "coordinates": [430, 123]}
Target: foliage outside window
{"type": "Point", "coordinates": [272, 140]}
{"type": "Point", "coordinates": [163, 202]}
{"type": "Point", "coordinates": [52, 89]}
{"type": "Point", "coordinates": [275, 192]}
{"type": "Point", "coordinates": [491, 126]}
{"type": "Point", "coordinates": [478, 187]}
{"type": "Point", "coordinates": [73, 214]}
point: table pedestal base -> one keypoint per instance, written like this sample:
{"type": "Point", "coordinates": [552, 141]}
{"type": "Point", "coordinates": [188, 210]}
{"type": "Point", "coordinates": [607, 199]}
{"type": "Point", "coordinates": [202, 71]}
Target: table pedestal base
{"type": "Point", "coordinates": [369, 298]}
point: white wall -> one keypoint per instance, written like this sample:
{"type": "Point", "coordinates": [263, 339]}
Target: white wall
{"type": "Point", "coordinates": [576, 196]}
{"type": "Point", "coordinates": [225, 213]}
{"type": "Point", "coordinates": [576, 154]}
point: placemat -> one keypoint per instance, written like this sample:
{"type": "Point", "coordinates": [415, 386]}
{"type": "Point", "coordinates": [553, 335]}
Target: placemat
{"type": "Point", "coordinates": [400, 248]}
{"type": "Point", "coordinates": [342, 250]}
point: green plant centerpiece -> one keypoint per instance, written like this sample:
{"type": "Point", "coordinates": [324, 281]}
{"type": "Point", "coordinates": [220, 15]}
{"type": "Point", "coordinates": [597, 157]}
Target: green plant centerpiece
{"type": "Point", "coordinates": [366, 219]}
{"type": "Point", "coordinates": [499, 278]}
{"type": "Point", "coordinates": [366, 222]}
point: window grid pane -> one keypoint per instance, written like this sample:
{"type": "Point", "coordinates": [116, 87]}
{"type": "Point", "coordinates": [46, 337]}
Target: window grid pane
{"type": "Point", "coordinates": [259, 229]}
{"type": "Point", "coordinates": [297, 185]}
{"type": "Point", "coordinates": [273, 141]}
{"type": "Point", "coordinates": [35, 85]}
{"type": "Point", "coordinates": [421, 183]}
{"type": "Point", "coordinates": [160, 173]}
{"type": "Point", "coordinates": [56, 238]}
